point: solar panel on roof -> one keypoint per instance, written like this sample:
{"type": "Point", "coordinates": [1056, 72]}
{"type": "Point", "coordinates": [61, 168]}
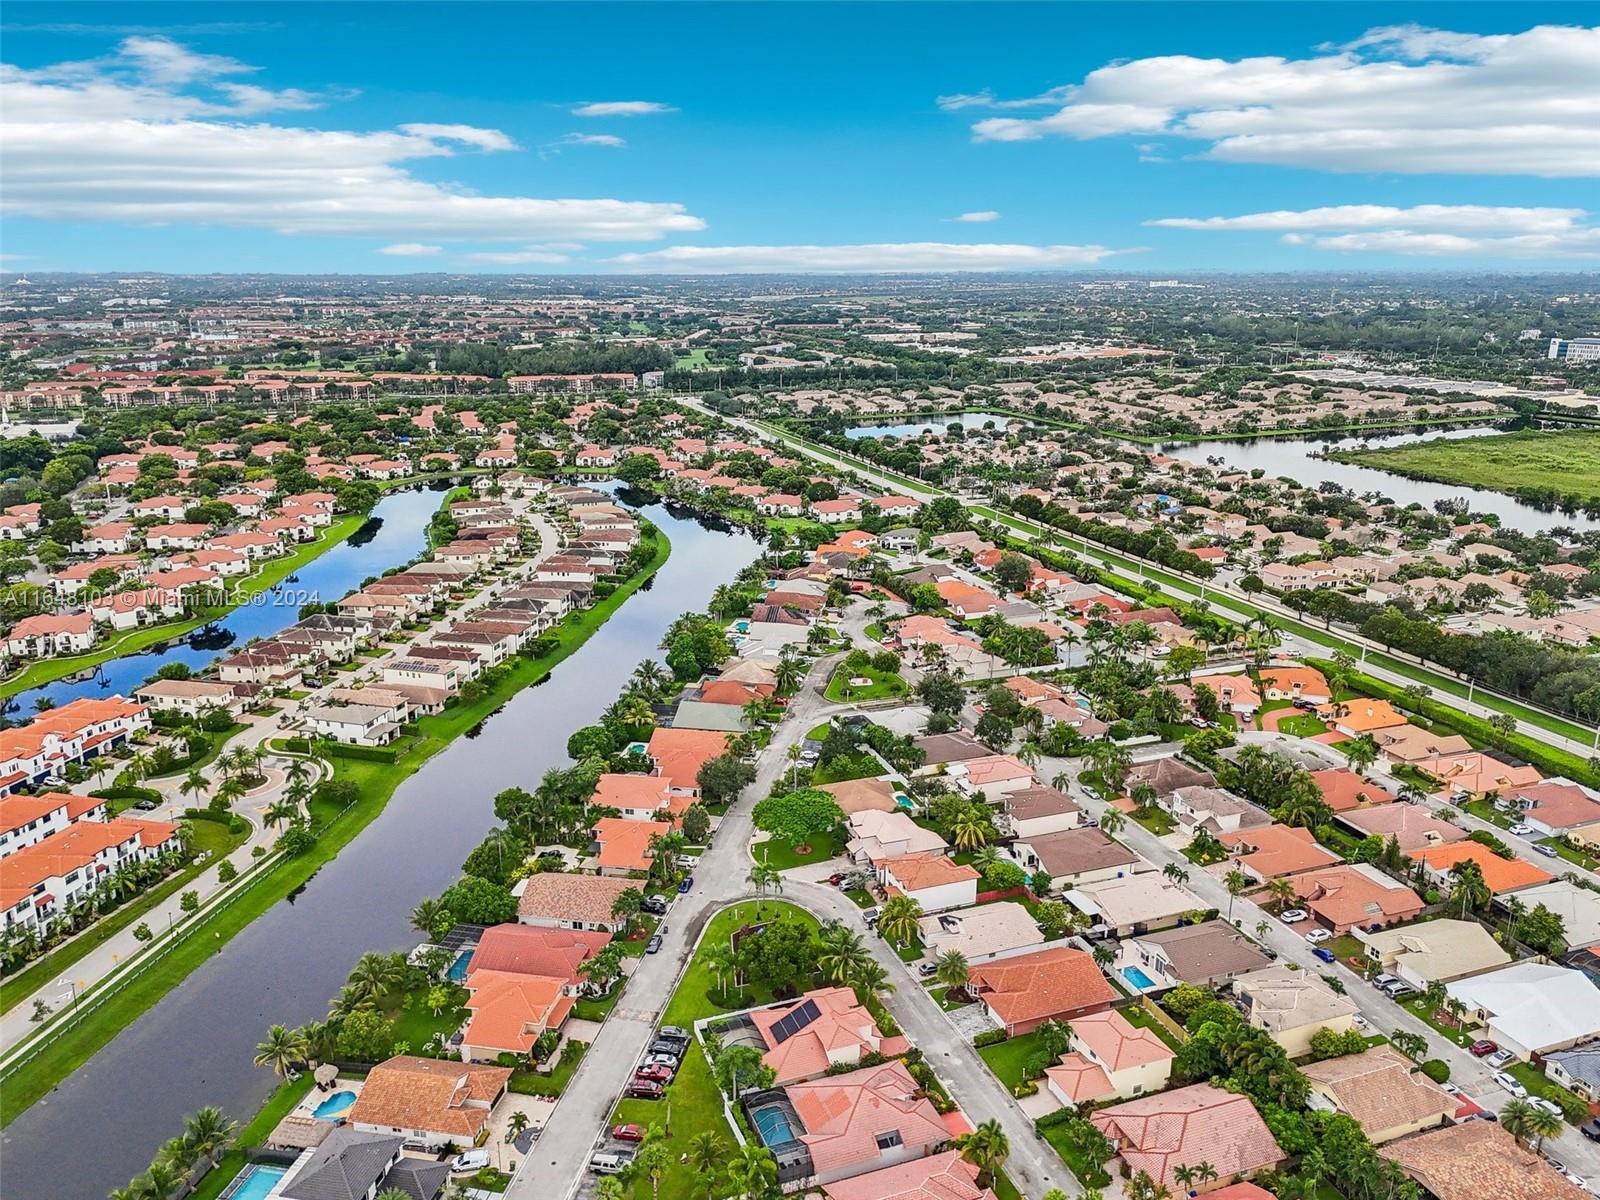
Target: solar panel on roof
{"type": "Point", "coordinates": [792, 1023]}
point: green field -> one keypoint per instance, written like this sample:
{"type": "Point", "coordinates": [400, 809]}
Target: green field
{"type": "Point", "coordinates": [1566, 461]}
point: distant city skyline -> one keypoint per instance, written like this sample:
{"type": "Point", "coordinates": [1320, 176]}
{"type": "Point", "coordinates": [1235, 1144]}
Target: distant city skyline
{"type": "Point", "coordinates": [624, 139]}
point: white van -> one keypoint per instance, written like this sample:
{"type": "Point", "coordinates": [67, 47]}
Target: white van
{"type": "Point", "coordinates": [609, 1163]}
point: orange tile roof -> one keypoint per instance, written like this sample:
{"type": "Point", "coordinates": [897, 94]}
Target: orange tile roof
{"type": "Point", "coordinates": [1041, 984]}
{"type": "Point", "coordinates": [430, 1094]}
{"type": "Point", "coordinates": [680, 753]}
{"type": "Point", "coordinates": [1347, 895]}
{"type": "Point", "coordinates": [1364, 716]}
{"type": "Point", "coordinates": [510, 1011]}
{"type": "Point", "coordinates": [1117, 1043]}
{"type": "Point", "coordinates": [624, 844]}
{"type": "Point", "coordinates": [917, 871]}
{"type": "Point", "coordinates": [1476, 1160]}
{"type": "Point", "coordinates": [531, 950]}
{"type": "Point", "coordinates": [1078, 1079]}
{"type": "Point", "coordinates": [1274, 850]}
{"type": "Point", "coordinates": [1199, 1123]}
{"type": "Point", "coordinates": [1501, 874]}
{"type": "Point", "coordinates": [944, 1176]}
{"type": "Point", "coordinates": [1344, 790]}
{"type": "Point", "coordinates": [631, 791]}
{"type": "Point", "coordinates": [1310, 681]}
{"type": "Point", "coordinates": [843, 1116]}
{"type": "Point", "coordinates": [843, 1031]}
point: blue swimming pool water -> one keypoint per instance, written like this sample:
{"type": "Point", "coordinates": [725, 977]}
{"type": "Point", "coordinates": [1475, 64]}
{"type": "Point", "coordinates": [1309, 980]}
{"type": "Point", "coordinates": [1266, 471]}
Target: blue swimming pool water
{"type": "Point", "coordinates": [334, 1107]}
{"type": "Point", "coordinates": [1138, 978]}
{"type": "Point", "coordinates": [258, 1181]}
{"type": "Point", "coordinates": [773, 1126]}
{"type": "Point", "coordinates": [903, 801]}
{"type": "Point", "coordinates": [458, 969]}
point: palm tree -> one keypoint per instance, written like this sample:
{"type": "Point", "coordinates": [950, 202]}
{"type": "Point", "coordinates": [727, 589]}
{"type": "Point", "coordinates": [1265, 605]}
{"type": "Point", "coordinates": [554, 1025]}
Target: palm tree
{"type": "Point", "coordinates": [161, 1181]}
{"type": "Point", "coordinates": [753, 1173]}
{"type": "Point", "coordinates": [650, 676]}
{"type": "Point", "coordinates": [761, 880]}
{"type": "Point", "coordinates": [516, 1126]}
{"type": "Point", "coordinates": [194, 783]}
{"type": "Point", "coordinates": [1175, 873]}
{"type": "Point", "coordinates": [283, 1051]}
{"type": "Point", "coordinates": [1112, 820]}
{"type": "Point", "coordinates": [723, 963]}
{"type": "Point", "coordinates": [707, 1152]}
{"type": "Point", "coordinates": [971, 828]}
{"type": "Point", "coordinates": [207, 1132]}
{"type": "Point", "coordinates": [952, 969]}
{"type": "Point", "coordinates": [841, 952]}
{"type": "Point", "coordinates": [986, 1148]}
{"type": "Point", "coordinates": [754, 711]}
{"type": "Point", "coordinates": [375, 975]}
{"type": "Point", "coordinates": [1362, 751]}
{"type": "Point", "coordinates": [1468, 886]}
{"type": "Point", "coordinates": [1542, 1124]}
{"type": "Point", "coordinates": [898, 920]}
{"type": "Point", "coordinates": [426, 915]}
{"type": "Point", "coordinates": [1236, 881]}
{"type": "Point", "coordinates": [1516, 1118]}
{"type": "Point", "coordinates": [1281, 891]}
{"type": "Point", "coordinates": [788, 675]}
{"type": "Point", "coordinates": [871, 977]}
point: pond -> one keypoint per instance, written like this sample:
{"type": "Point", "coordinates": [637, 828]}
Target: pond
{"type": "Point", "coordinates": [1297, 457]}
{"type": "Point", "coordinates": [194, 1047]}
{"type": "Point", "coordinates": [917, 426]}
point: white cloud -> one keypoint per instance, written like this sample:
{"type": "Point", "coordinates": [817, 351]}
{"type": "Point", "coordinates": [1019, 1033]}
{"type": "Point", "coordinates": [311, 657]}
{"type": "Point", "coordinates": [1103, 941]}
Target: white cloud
{"type": "Point", "coordinates": [410, 250]}
{"type": "Point", "coordinates": [550, 253]}
{"type": "Point", "coordinates": [977, 218]}
{"type": "Point", "coordinates": [1405, 99]}
{"type": "Point", "coordinates": [870, 258]}
{"type": "Point", "coordinates": [622, 108]}
{"type": "Point", "coordinates": [1464, 230]}
{"type": "Point", "coordinates": [589, 139]}
{"type": "Point", "coordinates": [153, 137]}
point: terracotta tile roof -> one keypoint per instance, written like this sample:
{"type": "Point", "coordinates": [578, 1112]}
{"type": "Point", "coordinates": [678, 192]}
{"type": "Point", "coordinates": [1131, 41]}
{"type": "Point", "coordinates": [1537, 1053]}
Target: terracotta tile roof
{"type": "Point", "coordinates": [944, 1176]}
{"type": "Point", "coordinates": [1078, 1079]}
{"type": "Point", "coordinates": [1364, 716]}
{"type": "Point", "coordinates": [859, 795]}
{"type": "Point", "coordinates": [1347, 895]}
{"type": "Point", "coordinates": [680, 753]}
{"type": "Point", "coordinates": [1412, 824]}
{"type": "Point", "coordinates": [1380, 1089]}
{"type": "Point", "coordinates": [1309, 681]}
{"type": "Point", "coordinates": [841, 1032]}
{"type": "Point", "coordinates": [631, 791]}
{"type": "Point", "coordinates": [1199, 1123]}
{"type": "Point", "coordinates": [1044, 983]}
{"type": "Point", "coordinates": [511, 1010]}
{"type": "Point", "coordinates": [1344, 790]}
{"type": "Point", "coordinates": [1273, 850]}
{"type": "Point", "coordinates": [1559, 805]}
{"type": "Point", "coordinates": [430, 1094]}
{"type": "Point", "coordinates": [1117, 1043]}
{"type": "Point", "coordinates": [843, 1116]}
{"type": "Point", "coordinates": [625, 845]}
{"type": "Point", "coordinates": [583, 898]}
{"type": "Point", "coordinates": [1476, 1160]}
{"type": "Point", "coordinates": [913, 872]}
{"type": "Point", "coordinates": [1501, 874]}
{"type": "Point", "coordinates": [527, 950]}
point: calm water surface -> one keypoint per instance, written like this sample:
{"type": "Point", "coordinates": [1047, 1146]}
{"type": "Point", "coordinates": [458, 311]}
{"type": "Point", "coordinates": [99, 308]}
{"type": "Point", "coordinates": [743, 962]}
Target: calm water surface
{"type": "Point", "coordinates": [102, 1125]}
{"type": "Point", "coordinates": [936, 425]}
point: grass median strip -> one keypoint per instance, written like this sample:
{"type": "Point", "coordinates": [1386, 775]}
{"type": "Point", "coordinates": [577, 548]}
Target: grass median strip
{"type": "Point", "coordinates": [23, 1086]}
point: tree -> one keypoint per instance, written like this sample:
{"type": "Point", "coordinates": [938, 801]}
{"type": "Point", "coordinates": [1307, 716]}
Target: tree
{"type": "Point", "coordinates": [1362, 751]}
{"type": "Point", "coordinates": [707, 1152]}
{"type": "Point", "coordinates": [283, 1051]}
{"type": "Point", "coordinates": [898, 920]}
{"type": "Point", "coordinates": [428, 916]}
{"type": "Point", "coordinates": [986, 1148]}
{"type": "Point", "coordinates": [761, 880]}
{"type": "Point", "coordinates": [194, 784]}
{"type": "Point", "coordinates": [941, 691]}
{"type": "Point", "coordinates": [1468, 887]}
{"type": "Point", "coordinates": [753, 1173]}
{"type": "Point", "coordinates": [696, 824]}
{"type": "Point", "coordinates": [798, 817]}
{"type": "Point", "coordinates": [739, 1069]}
{"type": "Point", "coordinates": [952, 970]}
{"type": "Point", "coordinates": [365, 1036]}
{"type": "Point", "coordinates": [1014, 571]}
{"type": "Point", "coordinates": [475, 901]}
{"type": "Point", "coordinates": [1236, 881]}
{"type": "Point", "coordinates": [842, 953]}
{"type": "Point", "coordinates": [1281, 890]}
{"type": "Point", "coordinates": [1112, 820]}
{"type": "Point", "coordinates": [207, 1132]}
{"type": "Point", "coordinates": [723, 778]}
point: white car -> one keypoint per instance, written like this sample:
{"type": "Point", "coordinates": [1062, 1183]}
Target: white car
{"type": "Point", "coordinates": [1500, 1058]}
{"type": "Point", "coordinates": [1511, 1085]}
{"type": "Point", "coordinates": [1293, 915]}
{"type": "Point", "coordinates": [472, 1160]}
{"type": "Point", "coordinates": [1548, 1106]}
{"type": "Point", "coordinates": [1318, 936]}
{"type": "Point", "coordinates": [1361, 1022]}
{"type": "Point", "coordinates": [1521, 828]}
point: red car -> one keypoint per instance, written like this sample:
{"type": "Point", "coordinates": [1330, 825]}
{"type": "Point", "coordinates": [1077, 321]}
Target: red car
{"type": "Point", "coordinates": [1482, 1049]}
{"type": "Point", "coordinates": [628, 1133]}
{"type": "Point", "coordinates": [644, 1089]}
{"type": "Point", "coordinates": [657, 1075]}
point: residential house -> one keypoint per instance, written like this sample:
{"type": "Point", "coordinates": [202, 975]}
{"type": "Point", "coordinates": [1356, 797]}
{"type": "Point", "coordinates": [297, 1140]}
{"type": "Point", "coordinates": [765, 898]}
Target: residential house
{"type": "Point", "coordinates": [989, 931]}
{"type": "Point", "coordinates": [48, 635]}
{"type": "Point", "coordinates": [1531, 1007]}
{"type": "Point", "coordinates": [1022, 992]}
{"type": "Point", "coordinates": [191, 697]}
{"type": "Point", "coordinates": [347, 1164]}
{"type": "Point", "coordinates": [551, 900]}
{"type": "Point", "coordinates": [622, 847]}
{"type": "Point", "coordinates": [1554, 808]}
{"type": "Point", "coordinates": [1157, 1134]}
{"type": "Point", "coordinates": [1207, 955]}
{"type": "Point", "coordinates": [1577, 1069]}
{"type": "Point", "coordinates": [1382, 1091]}
{"type": "Point", "coordinates": [1355, 895]}
{"type": "Point", "coordinates": [1134, 904]}
{"type": "Point", "coordinates": [1109, 1059]}
{"type": "Point", "coordinates": [824, 1029]}
{"type": "Point", "coordinates": [1413, 825]}
{"type": "Point", "coordinates": [678, 755]}
{"type": "Point", "coordinates": [1578, 908]}
{"type": "Point", "coordinates": [1442, 951]}
{"type": "Point", "coordinates": [1074, 857]}
{"type": "Point", "coordinates": [877, 837]}
{"type": "Point", "coordinates": [354, 724]}
{"type": "Point", "coordinates": [1215, 811]}
{"type": "Point", "coordinates": [1343, 790]}
{"type": "Point", "coordinates": [1272, 851]}
{"type": "Point", "coordinates": [1293, 682]}
{"type": "Point", "coordinates": [863, 1121]}
{"type": "Point", "coordinates": [943, 1176]}
{"type": "Point", "coordinates": [1358, 716]}
{"type": "Point", "coordinates": [1291, 1004]}
{"type": "Point", "coordinates": [1476, 1160]}
{"type": "Point", "coordinates": [1501, 874]}
{"type": "Point", "coordinates": [429, 1102]}
{"type": "Point", "coordinates": [1035, 811]}
{"type": "Point", "coordinates": [934, 881]}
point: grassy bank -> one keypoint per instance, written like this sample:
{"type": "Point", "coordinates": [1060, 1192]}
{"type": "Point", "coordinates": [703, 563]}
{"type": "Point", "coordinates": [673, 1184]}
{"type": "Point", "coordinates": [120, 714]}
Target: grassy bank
{"type": "Point", "coordinates": [377, 781]}
{"type": "Point", "coordinates": [1564, 460]}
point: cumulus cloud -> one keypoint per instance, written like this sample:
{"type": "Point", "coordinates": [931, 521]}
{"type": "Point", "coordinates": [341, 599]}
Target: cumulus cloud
{"type": "Point", "coordinates": [410, 249]}
{"type": "Point", "coordinates": [978, 218]}
{"type": "Point", "coordinates": [156, 135]}
{"type": "Point", "coordinates": [882, 257]}
{"type": "Point", "coordinates": [550, 253]}
{"type": "Point", "coordinates": [1465, 230]}
{"type": "Point", "coordinates": [622, 108]}
{"type": "Point", "coordinates": [1406, 98]}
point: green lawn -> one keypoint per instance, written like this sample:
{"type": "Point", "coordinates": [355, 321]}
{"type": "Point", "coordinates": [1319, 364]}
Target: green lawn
{"type": "Point", "coordinates": [531, 1083]}
{"type": "Point", "coordinates": [1087, 1173]}
{"type": "Point", "coordinates": [211, 840]}
{"type": "Point", "coordinates": [695, 1106]}
{"type": "Point", "coordinates": [377, 781]}
{"type": "Point", "coordinates": [1567, 460]}
{"type": "Point", "coordinates": [1419, 1009]}
{"type": "Point", "coordinates": [697, 996]}
{"type": "Point", "coordinates": [881, 685]}
{"type": "Point", "coordinates": [1157, 820]}
{"type": "Point", "coordinates": [695, 360]}
{"type": "Point", "coordinates": [1534, 1080]}
{"type": "Point", "coordinates": [1135, 1015]}
{"type": "Point", "coordinates": [781, 856]}
{"type": "Point", "coordinates": [1006, 1059]}
{"type": "Point", "coordinates": [1571, 854]}
{"type": "Point", "coordinates": [1305, 725]}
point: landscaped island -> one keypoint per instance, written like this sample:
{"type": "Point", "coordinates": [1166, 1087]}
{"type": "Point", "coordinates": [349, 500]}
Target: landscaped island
{"type": "Point", "coordinates": [1556, 466]}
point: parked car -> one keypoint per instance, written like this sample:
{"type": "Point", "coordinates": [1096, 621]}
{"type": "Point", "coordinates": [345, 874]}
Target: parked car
{"type": "Point", "coordinates": [870, 915]}
{"type": "Point", "coordinates": [649, 1087]}
{"type": "Point", "coordinates": [655, 904]}
{"type": "Point", "coordinates": [1509, 1082]}
{"type": "Point", "coordinates": [147, 805]}
{"type": "Point", "coordinates": [1591, 1129]}
{"type": "Point", "coordinates": [1549, 1106]}
{"type": "Point", "coordinates": [1323, 953]}
{"type": "Point", "coordinates": [653, 946]}
{"type": "Point", "coordinates": [1318, 936]}
{"type": "Point", "coordinates": [673, 1033]}
{"type": "Point", "coordinates": [1547, 851]}
{"type": "Point", "coordinates": [1520, 828]}
{"type": "Point", "coordinates": [612, 1162]}
{"type": "Point", "coordinates": [685, 884]}
{"type": "Point", "coordinates": [1361, 1022]}
{"type": "Point", "coordinates": [665, 1045]}
{"type": "Point", "coordinates": [667, 1061]}
{"type": "Point", "coordinates": [472, 1160]}
{"type": "Point", "coordinates": [1482, 1048]}
{"type": "Point", "coordinates": [628, 1133]}
{"type": "Point", "coordinates": [1500, 1058]}
{"type": "Point", "coordinates": [1292, 915]}
{"type": "Point", "coordinates": [926, 969]}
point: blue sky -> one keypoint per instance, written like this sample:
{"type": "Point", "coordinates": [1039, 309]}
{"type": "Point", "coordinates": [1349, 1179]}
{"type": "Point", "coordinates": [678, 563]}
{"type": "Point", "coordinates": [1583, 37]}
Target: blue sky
{"type": "Point", "coordinates": [677, 137]}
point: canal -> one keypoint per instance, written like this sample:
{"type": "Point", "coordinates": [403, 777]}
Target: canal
{"type": "Point", "coordinates": [395, 533]}
{"type": "Point", "coordinates": [103, 1124]}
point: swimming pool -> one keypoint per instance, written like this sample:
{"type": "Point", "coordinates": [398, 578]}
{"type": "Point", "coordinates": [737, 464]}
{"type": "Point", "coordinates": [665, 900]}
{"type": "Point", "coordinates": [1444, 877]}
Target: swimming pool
{"type": "Point", "coordinates": [458, 969]}
{"type": "Point", "coordinates": [334, 1107]}
{"type": "Point", "coordinates": [772, 1124]}
{"type": "Point", "coordinates": [1138, 978]}
{"type": "Point", "coordinates": [903, 801]}
{"type": "Point", "coordinates": [256, 1181]}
